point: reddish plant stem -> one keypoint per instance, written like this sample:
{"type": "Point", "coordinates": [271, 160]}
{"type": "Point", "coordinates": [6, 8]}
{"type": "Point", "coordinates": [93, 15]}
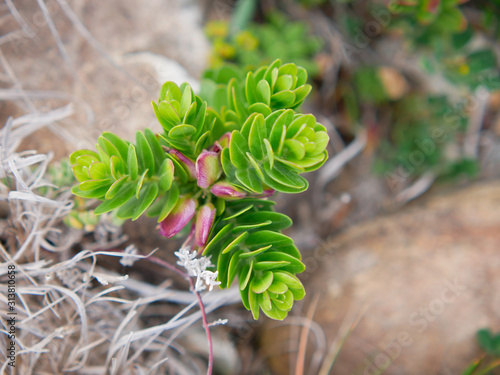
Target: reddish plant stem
{"type": "Point", "coordinates": [207, 329]}
{"type": "Point", "coordinates": [165, 264]}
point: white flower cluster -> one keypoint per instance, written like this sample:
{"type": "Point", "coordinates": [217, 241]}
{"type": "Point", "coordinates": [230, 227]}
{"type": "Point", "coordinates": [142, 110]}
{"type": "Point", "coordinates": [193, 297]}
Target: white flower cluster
{"type": "Point", "coordinates": [197, 267]}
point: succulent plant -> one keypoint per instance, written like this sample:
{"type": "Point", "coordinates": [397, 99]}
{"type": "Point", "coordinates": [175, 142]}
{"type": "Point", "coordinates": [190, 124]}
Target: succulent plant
{"type": "Point", "coordinates": [213, 168]}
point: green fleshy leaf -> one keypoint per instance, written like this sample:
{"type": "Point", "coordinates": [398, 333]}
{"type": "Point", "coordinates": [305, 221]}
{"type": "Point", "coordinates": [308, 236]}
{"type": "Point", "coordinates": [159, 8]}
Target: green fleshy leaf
{"type": "Point", "coordinates": [269, 153]}
{"type": "Point", "coordinates": [289, 69]}
{"type": "Point", "coordinates": [250, 93]}
{"type": "Point", "coordinates": [264, 92]}
{"type": "Point", "coordinates": [250, 180]}
{"type": "Point", "coordinates": [116, 167]}
{"type": "Point", "coordinates": [242, 237]}
{"type": "Point", "coordinates": [255, 252]}
{"type": "Point", "coordinates": [256, 137]}
{"type": "Point", "coordinates": [222, 267]}
{"type": "Point", "coordinates": [179, 170]}
{"type": "Point", "coordinates": [80, 173]}
{"type": "Point", "coordinates": [122, 196]}
{"type": "Point", "coordinates": [290, 280]}
{"type": "Point", "coordinates": [182, 131]}
{"type": "Point", "coordinates": [168, 114]}
{"type": "Point", "coordinates": [94, 184]}
{"type": "Point", "coordinates": [262, 238]}
{"type": "Point", "coordinates": [321, 142]}
{"type": "Point", "coordinates": [277, 220]}
{"type": "Point", "coordinates": [228, 168]}
{"type": "Point", "coordinates": [86, 160]}
{"type": "Point", "coordinates": [284, 176]}
{"type": "Point", "coordinates": [283, 99]}
{"type": "Point", "coordinates": [260, 108]}
{"type": "Point", "coordinates": [108, 147]}
{"type": "Point", "coordinates": [105, 158]}
{"type": "Point", "coordinates": [166, 174]}
{"type": "Point", "coordinates": [254, 304]}
{"type": "Point", "coordinates": [97, 193]}
{"type": "Point", "coordinates": [186, 100]}
{"type": "Point", "coordinates": [98, 171]}
{"type": "Point", "coordinates": [238, 148]}
{"type": "Point", "coordinates": [255, 165]}
{"type": "Point", "coordinates": [115, 187]}
{"type": "Point", "coordinates": [284, 82]}
{"type": "Point", "coordinates": [244, 298]}
{"type": "Point", "coordinates": [291, 164]}
{"type": "Point", "coordinates": [265, 301]}
{"type": "Point", "coordinates": [170, 91]}
{"type": "Point", "coordinates": [270, 265]}
{"type": "Point", "coordinates": [144, 154]}
{"type": "Point", "coordinates": [146, 199]}
{"type": "Point", "coordinates": [260, 284]}
{"type": "Point", "coordinates": [296, 148]}
{"type": "Point", "coordinates": [277, 287]}
{"type": "Point", "coordinates": [238, 213]}
{"type": "Point", "coordinates": [158, 153]}
{"type": "Point", "coordinates": [218, 237]}
{"type": "Point", "coordinates": [285, 301]}
{"type": "Point", "coordinates": [280, 187]}
{"type": "Point", "coordinates": [301, 76]}
{"type": "Point", "coordinates": [171, 201]}
{"type": "Point", "coordinates": [300, 123]}
{"type": "Point", "coordinates": [201, 142]}
{"type": "Point", "coordinates": [244, 228]}
{"type": "Point", "coordinates": [298, 293]}
{"type": "Point", "coordinates": [311, 163]}
{"type": "Point", "coordinates": [119, 143]}
{"type": "Point", "coordinates": [76, 154]}
{"type": "Point", "coordinates": [245, 275]}
{"type": "Point", "coordinates": [294, 265]}
{"type": "Point", "coordinates": [301, 93]}
{"type": "Point", "coordinates": [234, 265]}
{"type": "Point", "coordinates": [190, 116]}
{"type": "Point", "coordinates": [290, 250]}
{"type": "Point", "coordinates": [140, 183]}
{"type": "Point", "coordinates": [275, 313]}
{"type": "Point", "coordinates": [132, 163]}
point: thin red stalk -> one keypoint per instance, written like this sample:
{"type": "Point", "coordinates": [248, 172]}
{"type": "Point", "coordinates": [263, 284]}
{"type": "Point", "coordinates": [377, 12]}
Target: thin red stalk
{"type": "Point", "coordinates": [207, 329]}
{"type": "Point", "coordinates": [165, 264]}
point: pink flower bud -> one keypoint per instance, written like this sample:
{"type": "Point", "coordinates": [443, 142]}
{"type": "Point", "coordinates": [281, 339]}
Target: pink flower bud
{"type": "Point", "coordinates": [181, 214]}
{"type": "Point", "coordinates": [204, 220]}
{"type": "Point", "coordinates": [208, 169]}
{"type": "Point", "coordinates": [267, 193]}
{"type": "Point", "coordinates": [223, 189]}
{"type": "Point", "coordinates": [186, 161]}
{"type": "Point", "coordinates": [222, 142]}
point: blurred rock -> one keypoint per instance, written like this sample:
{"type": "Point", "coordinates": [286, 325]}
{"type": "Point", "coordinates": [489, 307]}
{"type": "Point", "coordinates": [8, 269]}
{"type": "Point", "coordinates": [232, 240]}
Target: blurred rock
{"type": "Point", "coordinates": [426, 279]}
{"type": "Point", "coordinates": [111, 77]}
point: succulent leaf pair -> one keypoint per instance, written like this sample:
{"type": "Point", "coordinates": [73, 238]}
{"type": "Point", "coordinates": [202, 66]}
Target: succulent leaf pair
{"type": "Point", "coordinates": [213, 167]}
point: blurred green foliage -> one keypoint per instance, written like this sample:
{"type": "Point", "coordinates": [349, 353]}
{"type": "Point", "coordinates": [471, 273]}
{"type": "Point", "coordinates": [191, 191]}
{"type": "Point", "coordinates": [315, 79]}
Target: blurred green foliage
{"type": "Point", "coordinates": [260, 44]}
{"type": "Point", "coordinates": [490, 343]}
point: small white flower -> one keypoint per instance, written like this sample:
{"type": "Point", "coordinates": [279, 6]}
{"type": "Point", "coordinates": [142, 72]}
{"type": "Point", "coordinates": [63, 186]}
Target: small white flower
{"type": "Point", "coordinates": [209, 279]}
{"type": "Point", "coordinates": [218, 322]}
{"type": "Point", "coordinates": [129, 260]}
{"type": "Point", "coordinates": [197, 267]}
